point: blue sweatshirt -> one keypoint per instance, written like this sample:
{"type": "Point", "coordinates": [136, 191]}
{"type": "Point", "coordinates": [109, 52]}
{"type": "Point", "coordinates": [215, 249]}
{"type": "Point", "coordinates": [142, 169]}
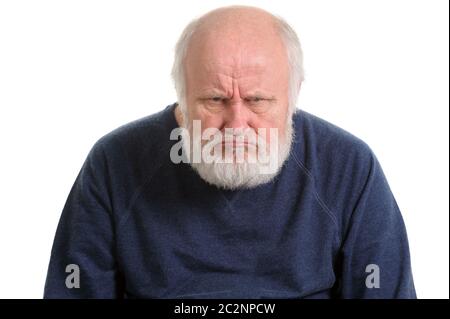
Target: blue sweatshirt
{"type": "Point", "coordinates": [136, 225]}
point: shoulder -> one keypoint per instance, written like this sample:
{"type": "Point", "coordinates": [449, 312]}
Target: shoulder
{"type": "Point", "coordinates": [144, 133]}
{"type": "Point", "coordinates": [338, 162]}
{"type": "Point", "coordinates": [327, 137]}
{"type": "Point", "coordinates": [322, 143]}
{"type": "Point", "coordinates": [134, 151]}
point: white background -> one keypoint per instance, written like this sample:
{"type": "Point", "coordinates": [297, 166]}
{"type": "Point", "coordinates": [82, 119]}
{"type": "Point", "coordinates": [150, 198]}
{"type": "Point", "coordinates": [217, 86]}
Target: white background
{"type": "Point", "coordinates": [71, 71]}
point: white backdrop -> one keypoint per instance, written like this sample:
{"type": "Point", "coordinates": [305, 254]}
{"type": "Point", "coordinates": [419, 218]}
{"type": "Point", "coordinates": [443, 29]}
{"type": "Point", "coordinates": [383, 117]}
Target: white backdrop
{"type": "Point", "coordinates": [71, 71]}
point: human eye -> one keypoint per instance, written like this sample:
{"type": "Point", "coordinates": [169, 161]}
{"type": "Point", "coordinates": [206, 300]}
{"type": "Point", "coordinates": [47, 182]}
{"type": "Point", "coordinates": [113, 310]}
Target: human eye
{"type": "Point", "coordinates": [256, 102]}
{"type": "Point", "coordinates": [257, 99]}
{"type": "Point", "coordinates": [216, 99]}
{"type": "Point", "coordinates": [213, 102]}
{"type": "Point", "coordinates": [259, 103]}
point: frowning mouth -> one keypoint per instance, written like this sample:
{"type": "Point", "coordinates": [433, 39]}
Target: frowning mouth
{"type": "Point", "coordinates": [237, 144]}
{"type": "Point", "coordinates": [212, 146]}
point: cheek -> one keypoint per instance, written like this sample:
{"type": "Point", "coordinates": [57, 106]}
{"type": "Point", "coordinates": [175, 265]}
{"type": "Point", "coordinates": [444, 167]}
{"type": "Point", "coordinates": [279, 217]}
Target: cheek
{"type": "Point", "coordinates": [207, 120]}
{"type": "Point", "coordinates": [278, 135]}
{"type": "Point", "coordinates": [273, 121]}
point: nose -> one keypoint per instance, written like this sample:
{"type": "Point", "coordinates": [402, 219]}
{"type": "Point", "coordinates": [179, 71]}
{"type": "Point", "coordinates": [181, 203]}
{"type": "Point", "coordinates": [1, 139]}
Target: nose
{"type": "Point", "coordinates": [236, 115]}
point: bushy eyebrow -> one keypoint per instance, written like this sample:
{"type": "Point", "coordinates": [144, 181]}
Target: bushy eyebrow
{"type": "Point", "coordinates": [260, 94]}
{"type": "Point", "coordinates": [218, 93]}
{"type": "Point", "coordinates": [212, 93]}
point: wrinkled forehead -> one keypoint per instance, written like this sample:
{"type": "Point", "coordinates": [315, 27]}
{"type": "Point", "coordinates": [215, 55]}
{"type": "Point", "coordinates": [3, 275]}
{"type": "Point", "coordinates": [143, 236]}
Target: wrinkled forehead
{"type": "Point", "coordinates": [236, 53]}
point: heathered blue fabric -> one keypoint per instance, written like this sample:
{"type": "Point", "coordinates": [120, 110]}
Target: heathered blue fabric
{"type": "Point", "coordinates": [140, 226]}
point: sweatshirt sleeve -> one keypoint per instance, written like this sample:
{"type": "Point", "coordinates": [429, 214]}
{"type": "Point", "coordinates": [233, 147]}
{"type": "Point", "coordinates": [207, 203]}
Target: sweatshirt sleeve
{"type": "Point", "coordinates": [375, 259]}
{"type": "Point", "coordinates": [84, 242]}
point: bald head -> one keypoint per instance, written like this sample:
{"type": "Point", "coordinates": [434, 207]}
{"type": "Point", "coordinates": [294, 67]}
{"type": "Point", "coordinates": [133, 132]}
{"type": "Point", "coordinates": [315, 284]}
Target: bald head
{"type": "Point", "coordinates": [236, 23]}
{"type": "Point", "coordinates": [237, 38]}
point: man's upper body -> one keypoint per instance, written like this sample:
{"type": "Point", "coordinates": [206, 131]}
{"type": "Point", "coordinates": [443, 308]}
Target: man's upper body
{"type": "Point", "coordinates": [140, 226]}
{"type": "Point", "coordinates": [320, 223]}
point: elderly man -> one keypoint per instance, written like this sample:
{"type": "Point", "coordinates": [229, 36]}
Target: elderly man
{"type": "Point", "coordinates": [231, 192]}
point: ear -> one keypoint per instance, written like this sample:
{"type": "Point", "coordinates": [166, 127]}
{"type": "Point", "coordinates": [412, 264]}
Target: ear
{"type": "Point", "coordinates": [178, 115]}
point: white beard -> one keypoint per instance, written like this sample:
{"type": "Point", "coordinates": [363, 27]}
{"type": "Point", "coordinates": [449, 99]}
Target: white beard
{"type": "Point", "coordinates": [242, 174]}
